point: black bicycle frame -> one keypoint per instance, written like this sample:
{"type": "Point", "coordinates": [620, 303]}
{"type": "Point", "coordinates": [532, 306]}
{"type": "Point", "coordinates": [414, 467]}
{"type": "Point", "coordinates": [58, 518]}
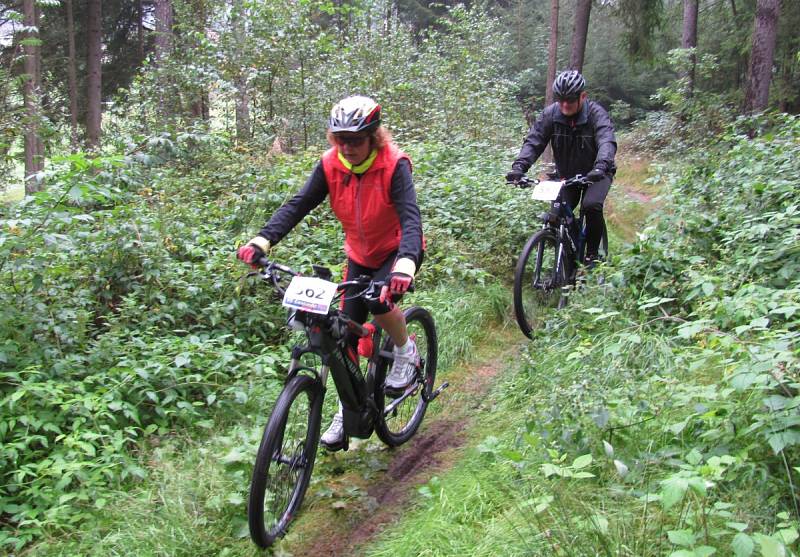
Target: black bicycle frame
{"type": "Point", "coordinates": [328, 337]}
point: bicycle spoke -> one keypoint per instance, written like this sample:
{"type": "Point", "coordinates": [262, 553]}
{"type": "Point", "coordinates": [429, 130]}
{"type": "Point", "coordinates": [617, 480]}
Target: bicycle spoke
{"type": "Point", "coordinates": [538, 279]}
{"type": "Point", "coordinates": [285, 461]}
{"type": "Point", "coordinates": [402, 415]}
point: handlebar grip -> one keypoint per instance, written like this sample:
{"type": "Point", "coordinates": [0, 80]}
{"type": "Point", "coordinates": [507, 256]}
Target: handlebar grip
{"type": "Point", "coordinates": [524, 182]}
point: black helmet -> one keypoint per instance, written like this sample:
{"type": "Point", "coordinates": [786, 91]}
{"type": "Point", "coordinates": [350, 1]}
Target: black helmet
{"type": "Point", "coordinates": [568, 84]}
{"type": "Point", "coordinates": [355, 114]}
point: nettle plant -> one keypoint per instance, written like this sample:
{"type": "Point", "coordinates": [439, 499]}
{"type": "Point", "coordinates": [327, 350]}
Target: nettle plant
{"type": "Point", "coordinates": [685, 362]}
{"type": "Point", "coordinates": [125, 317]}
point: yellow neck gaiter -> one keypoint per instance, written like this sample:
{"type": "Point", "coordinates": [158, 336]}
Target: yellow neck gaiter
{"type": "Point", "coordinates": [359, 168]}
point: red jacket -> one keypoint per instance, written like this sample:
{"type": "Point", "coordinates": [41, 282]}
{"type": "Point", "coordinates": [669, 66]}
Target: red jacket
{"type": "Point", "coordinates": [363, 205]}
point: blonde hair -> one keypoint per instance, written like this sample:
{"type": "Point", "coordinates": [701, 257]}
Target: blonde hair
{"type": "Point", "coordinates": [380, 138]}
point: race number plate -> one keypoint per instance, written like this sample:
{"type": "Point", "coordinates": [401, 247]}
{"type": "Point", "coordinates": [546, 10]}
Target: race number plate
{"type": "Point", "coordinates": [309, 294]}
{"type": "Point", "coordinates": [546, 190]}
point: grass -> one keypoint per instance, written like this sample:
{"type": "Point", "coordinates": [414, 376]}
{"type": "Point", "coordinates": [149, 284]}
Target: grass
{"type": "Point", "coordinates": [192, 501]}
{"type": "Point", "coordinates": [630, 200]}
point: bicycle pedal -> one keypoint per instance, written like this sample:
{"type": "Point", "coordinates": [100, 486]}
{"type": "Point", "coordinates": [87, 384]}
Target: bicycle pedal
{"type": "Point", "coordinates": [392, 392]}
{"type": "Point", "coordinates": [340, 446]}
{"type": "Point", "coordinates": [397, 393]}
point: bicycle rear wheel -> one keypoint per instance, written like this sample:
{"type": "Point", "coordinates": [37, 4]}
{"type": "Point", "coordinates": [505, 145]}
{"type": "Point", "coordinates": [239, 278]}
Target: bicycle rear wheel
{"type": "Point", "coordinates": [285, 460]}
{"type": "Point", "coordinates": [399, 418]}
{"type": "Point", "coordinates": [542, 271]}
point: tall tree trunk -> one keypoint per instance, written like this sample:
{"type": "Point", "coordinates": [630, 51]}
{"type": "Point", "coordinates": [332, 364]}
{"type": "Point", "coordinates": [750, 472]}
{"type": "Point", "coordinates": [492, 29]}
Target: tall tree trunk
{"type": "Point", "coordinates": [580, 30]}
{"type": "Point", "coordinates": [689, 40]}
{"type": "Point", "coordinates": [199, 103]}
{"type": "Point", "coordinates": [200, 108]}
{"type": "Point", "coordinates": [552, 60]}
{"type": "Point", "coordinates": [31, 91]}
{"type": "Point", "coordinates": [242, 109]}
{"type": "Point", "coordinates": [304, 100]}
{"type": "Point", "coordinates": [94, 74]}
{"type": "Point", "coordinates": [140, 28]}
{"type": "Point", "coordinates": [761, 55]}
{"type": "Point", "coordinates": [72, 78]}
{"type": "Point", "coordinates": [552, 53]}
{"type": "Point", "coordinates": [242, 86]}
{"type": "Point", "coordinates": [164, 20]}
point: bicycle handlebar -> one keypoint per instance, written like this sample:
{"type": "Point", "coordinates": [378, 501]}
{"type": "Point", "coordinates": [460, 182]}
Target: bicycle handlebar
{"type": "Point", "coordinates": [578, 180]}
{"type": "Point", "coordinates": [371, 288]}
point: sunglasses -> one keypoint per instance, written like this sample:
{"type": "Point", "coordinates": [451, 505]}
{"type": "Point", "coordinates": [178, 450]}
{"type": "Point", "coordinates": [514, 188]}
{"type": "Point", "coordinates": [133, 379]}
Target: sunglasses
{"type": "Point", "coordinates": [569, 100]}
{"type": "Point", "coordinates": [352, 140]}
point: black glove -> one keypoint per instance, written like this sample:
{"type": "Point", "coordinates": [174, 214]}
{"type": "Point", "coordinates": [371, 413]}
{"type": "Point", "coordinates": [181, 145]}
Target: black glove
{"type": "Point", "coordinates": [596, 175]}
{"type": "Point", "coordinates": [514, 176]}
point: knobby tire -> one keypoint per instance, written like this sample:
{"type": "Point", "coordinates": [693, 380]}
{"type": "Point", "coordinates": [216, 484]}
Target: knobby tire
{"type": "Point", "coordinates": [400, 425]}
{"type": "Point", "coordinates": [541, 273]}
{"type": "Point", "coordinates": [285, 460]}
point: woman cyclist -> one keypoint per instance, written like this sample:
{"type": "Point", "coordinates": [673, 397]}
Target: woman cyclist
{"type": "Point", "coordinates": [368, 182]}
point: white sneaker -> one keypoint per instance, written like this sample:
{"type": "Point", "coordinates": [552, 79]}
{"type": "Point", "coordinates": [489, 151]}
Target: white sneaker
{"type": "Point", "coordinates": [334, 435]}
{"type": "Point", "coordinates": [403, 368]}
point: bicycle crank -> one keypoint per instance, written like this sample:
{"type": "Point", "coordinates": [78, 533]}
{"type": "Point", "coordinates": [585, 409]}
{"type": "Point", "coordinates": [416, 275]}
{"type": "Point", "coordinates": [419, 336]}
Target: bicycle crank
{"type": "Point", "coordinates": [436, 393]}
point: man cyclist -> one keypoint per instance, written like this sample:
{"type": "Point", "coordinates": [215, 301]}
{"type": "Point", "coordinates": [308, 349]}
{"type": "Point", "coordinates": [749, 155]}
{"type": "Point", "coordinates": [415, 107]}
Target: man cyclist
{"type": "Point", "coordinates": [368, 182]}
{"type": "Point", "coordinates": [582, 137]}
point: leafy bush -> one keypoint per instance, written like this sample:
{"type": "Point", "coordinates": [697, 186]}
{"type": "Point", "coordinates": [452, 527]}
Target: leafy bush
{"type": "Point", "coordinates": [123, 275]}
{"type": "Point", "coordinates": [678, 376]}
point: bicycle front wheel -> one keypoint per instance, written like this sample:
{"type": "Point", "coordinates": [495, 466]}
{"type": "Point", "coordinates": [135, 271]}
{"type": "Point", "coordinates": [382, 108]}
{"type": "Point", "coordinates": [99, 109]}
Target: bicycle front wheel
{"type": "Point", "coordinates": [285, 460]}
{"type": "Point", "coordinates": [541, 273]}
{"type": "Point", "coordinates": [399, 418]}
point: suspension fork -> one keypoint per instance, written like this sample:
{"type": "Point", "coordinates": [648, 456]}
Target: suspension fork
{"type": "Point", "coordinates": [560, 250]}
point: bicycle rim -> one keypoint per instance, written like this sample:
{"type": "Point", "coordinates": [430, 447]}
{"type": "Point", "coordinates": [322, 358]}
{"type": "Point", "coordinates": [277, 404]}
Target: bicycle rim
{"type": "Point", "coordinates": [538, 279]}
{"type": "Point", "coordinates": [285, 460]}
{"type": "Point", "coordinates": [396, 426]}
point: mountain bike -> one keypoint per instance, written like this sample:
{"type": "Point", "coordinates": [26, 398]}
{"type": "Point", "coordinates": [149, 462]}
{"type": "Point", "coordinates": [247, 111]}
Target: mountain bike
{"type": "Point", "coordinates": [548, 264]}
{"type": "Point", "coordinates": [288, 448]}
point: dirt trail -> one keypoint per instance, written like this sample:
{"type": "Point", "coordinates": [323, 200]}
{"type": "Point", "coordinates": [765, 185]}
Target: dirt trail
{"type": "Point", "coordinates": [325, 529]}
{"type": "Point", "coordinates": [433, 450]}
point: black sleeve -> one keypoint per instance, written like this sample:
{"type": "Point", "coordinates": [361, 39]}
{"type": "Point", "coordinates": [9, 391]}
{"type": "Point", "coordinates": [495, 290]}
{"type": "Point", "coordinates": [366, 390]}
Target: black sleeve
{"type": "Point", "coordinates": [293, 211]}
{"type": "Point", "coordinates": [404, 198]}
{"type": "Point", "coordinates": [535, 142]}
{"type": "Point", "coordinates": [605, 139]}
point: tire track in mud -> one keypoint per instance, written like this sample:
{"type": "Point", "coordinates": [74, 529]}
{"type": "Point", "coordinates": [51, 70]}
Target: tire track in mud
{"type": "Point", "coordinates": [432, 451]}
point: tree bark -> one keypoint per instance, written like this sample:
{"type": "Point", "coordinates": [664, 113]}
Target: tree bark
{"type": "Point", "coordinates": [140, 28]}
{"type": "Point", "coordinates": [552, 53]}
{"type": "Point", "coordinates": [242, 86]}
{"type": "Point", "coordinates": [164, 19]}
{"type": "Point", "coordinates": [242, 109]}
{"type": "Point", "coordinates": [200, 99]}
{"type": "Point", "coordinates": [580, 30]}
{"type": "Point", "coordinates": [761, 56]}
{"type": "Point", "coordinates": [689, 40]}
{"type": "Point", "coordinates": [552, 60]}
{"type": "Point", "coordinates": [72, 76]}
{"type": "Point", "coordinates": [31, 91]}
{"type": "Point", "coordinates": [94, 74]}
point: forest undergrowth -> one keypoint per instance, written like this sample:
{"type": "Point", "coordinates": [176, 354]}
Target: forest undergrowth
{"type": "Point", "coordinates": [655, 415]}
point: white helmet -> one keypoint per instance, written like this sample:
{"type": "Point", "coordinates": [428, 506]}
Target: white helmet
{"type": "Point", "coordinates": [355, 114]}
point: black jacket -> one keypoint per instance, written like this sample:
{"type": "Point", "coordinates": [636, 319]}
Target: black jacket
{"type": "Point", "coordinates": [580, 143]}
